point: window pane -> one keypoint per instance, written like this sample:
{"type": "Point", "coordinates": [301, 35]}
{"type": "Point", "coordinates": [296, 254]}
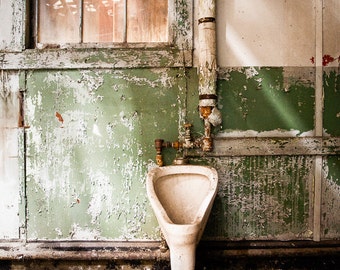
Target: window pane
{"type": "Point", "coordinates": [85, 21]}
{"type": "Point", "coordinates": [59, 21]}
{"type": "Point", "coordinates": [147, 21]}
{"type": "Point", "coordinates": [103, 21]}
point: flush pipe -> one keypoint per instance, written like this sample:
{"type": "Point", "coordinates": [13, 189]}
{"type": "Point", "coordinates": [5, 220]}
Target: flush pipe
{"type": "Point", "coordinates": [207, 76]}
{"type": "Point", "coordinates": [207, 70]}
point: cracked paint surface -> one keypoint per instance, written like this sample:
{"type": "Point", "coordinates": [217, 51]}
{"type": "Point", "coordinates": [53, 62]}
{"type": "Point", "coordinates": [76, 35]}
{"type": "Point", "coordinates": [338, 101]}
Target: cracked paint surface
{"type": "Point", "coordinates": [331, 167]}
{"type": "Point", "coordinates": [262, 198]}
{"type": "Point", "coordinates": [12, 27]}
{"type": "Point", "coordinates": [90, 143]}
{"type": "Point", "coordinates": [330, 200]}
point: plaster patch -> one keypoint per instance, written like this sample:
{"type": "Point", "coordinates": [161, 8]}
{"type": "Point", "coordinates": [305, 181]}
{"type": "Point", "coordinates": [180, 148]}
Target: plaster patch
{"type": "Point", "coordinates": [102, 191]}
{"type": "Point", "coordinates": [77, 232]}
{"type": "Point", "coordinates": [83, 89]}
{"type": "Point", "coordinates": [250, 72]}
{"type": "Point", "coordinates": [162, 80]}
{"type": "Point", "coordinates": [128, 121]}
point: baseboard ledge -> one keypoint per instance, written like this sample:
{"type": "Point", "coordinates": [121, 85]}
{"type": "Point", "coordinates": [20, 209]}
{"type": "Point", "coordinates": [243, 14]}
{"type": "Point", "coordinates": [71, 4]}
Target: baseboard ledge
{"type": "Point", "coordinates": [149, 250]}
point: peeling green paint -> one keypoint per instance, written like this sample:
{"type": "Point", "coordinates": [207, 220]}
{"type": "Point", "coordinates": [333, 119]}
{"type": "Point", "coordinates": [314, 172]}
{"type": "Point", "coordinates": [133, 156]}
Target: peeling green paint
{"type": "Point", "coordinates": [331, 82]}
{"type": "Point", "coordinates": [182, 23]}
{"type": "Point", "coordinates": [331, 202]}
{"type": "Point", "coordinates": [254, 98]}
{"type": "Point", "coordinates": [90, 143]}
{"type": "Point", "coordinates": [262, 198]}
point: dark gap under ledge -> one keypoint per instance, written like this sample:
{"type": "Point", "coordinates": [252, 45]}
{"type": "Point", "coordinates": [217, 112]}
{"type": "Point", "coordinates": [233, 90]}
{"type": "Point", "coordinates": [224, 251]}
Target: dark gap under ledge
{"type": "Point", "coordinates": [149, 250]}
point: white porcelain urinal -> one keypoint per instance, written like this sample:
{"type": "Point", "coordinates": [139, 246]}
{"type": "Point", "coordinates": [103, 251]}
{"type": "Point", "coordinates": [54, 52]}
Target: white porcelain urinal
{"type": "Point", "coordinates": [181, 197]}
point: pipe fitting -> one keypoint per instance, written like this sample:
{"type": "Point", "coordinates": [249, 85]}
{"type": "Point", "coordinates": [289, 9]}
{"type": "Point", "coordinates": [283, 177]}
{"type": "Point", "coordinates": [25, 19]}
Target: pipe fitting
{"type": "Point", "coordinates": [160, 144]}
{"type": "Point", "coordinates": [207, 100]}
{"type": "Point", "coordinates": [205, 111]}
{"type": "Point", "coordinates": [215, 117]}
{"type": "Point", "coordinates": [188, 143]}
{"type": "Point", "coordinates": [207, 144]}
{"type": "Point", "coordinates": [159, 157]}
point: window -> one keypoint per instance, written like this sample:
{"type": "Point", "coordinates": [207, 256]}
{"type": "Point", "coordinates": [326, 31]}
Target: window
{"type": "Point", "coordinates": [74, 34]}
{"type": "Point", "coordinates": [101, 21]}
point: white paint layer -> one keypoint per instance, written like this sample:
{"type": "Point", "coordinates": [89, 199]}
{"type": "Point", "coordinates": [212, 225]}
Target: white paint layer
{"type": "Point", "coordinates": [265, 32]}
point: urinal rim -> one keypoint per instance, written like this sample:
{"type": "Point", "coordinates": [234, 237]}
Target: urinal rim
{"type": "Point", "coordinates": [157, 206]}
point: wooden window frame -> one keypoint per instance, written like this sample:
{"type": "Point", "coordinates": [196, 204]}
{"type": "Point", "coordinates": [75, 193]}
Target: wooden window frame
{"type": "Point", "coordinates": [175, 53]}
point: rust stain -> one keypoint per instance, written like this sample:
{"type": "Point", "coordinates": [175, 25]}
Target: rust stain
{"type": "Point", "coordinates": [59, 117]}
{"type": "Point", "coordinates": [21, 122]}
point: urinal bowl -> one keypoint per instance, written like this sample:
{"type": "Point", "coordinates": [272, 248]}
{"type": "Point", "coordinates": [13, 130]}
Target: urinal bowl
{"type": "Point", "coordinates": [182, 197]}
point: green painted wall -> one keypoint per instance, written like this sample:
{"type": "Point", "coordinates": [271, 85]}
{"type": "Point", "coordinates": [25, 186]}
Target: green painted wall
{"type": "Point", "coordinates": [262, 198]}
{"type": "Point", "coordinates": [260, 99]}
{"type": "Point", "coordinates": [90, 144]}
{"type": "Point", "coordinates": [331, 82]}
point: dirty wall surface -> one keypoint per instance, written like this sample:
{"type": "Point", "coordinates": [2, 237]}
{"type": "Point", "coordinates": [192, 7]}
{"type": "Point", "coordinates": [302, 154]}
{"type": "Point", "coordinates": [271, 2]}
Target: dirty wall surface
{"type": "Point", "coordinates": [76, 142]}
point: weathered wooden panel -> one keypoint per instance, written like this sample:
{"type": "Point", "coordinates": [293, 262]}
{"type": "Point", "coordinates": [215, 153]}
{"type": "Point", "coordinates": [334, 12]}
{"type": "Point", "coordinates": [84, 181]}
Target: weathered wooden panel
{"type": "Point", "coordinates": [176, 53]}
{"type": "Point", "coordinates": [262, 198]}
{"type": "Point", "coordinates": [101, 59]}
{"type": "Point", "coordinates": [89, 145]}
{"type": "Point", "coordinates": [307, 146]}
{"type": "Point", "coordinates": [9, 153]}
{"type": "Point", "coordinates": [330, 208]}
{"type": "Point", "coordinates": [12, 25]}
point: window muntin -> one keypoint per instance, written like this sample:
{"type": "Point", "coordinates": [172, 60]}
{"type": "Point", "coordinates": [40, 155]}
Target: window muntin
{"type": "Point", "coordinates": [102, 21]}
